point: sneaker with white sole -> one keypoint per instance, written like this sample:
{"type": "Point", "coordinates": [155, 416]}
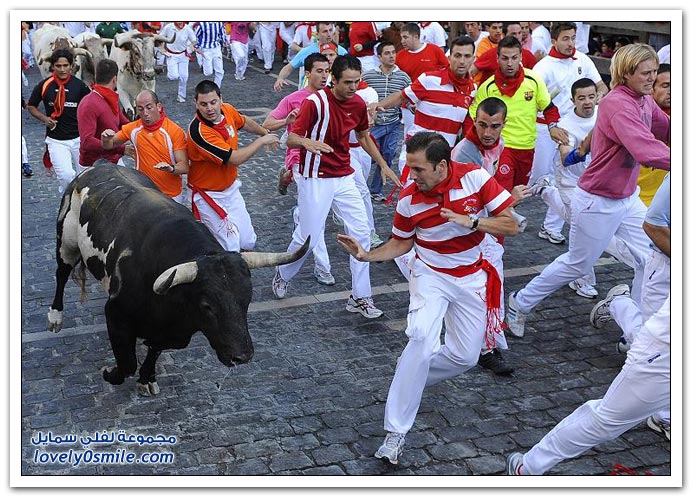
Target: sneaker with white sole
{"type": "Point", "coordinates": [279, 285]}
{"type": "Point", "coordinates": [375, 240]}
{"type": "Point", "coordinates": [324, 277]}
{"type": "Point", "coordinates": [516, 319]}
{"type": "Point", "coordinates": [515, 463]}
{"type": "Point", "coordinates": [541, 184]}
{"type": "Point", "coordinates": [363, 305]}
{"type": "Point", "coordinates": [659, 426]}
{"type": "Point", "coordinates": [583, 289]}
{"type": "Point", "coordinates": [378, 197]}
{"type": "Point", "coordinates": [392, 447]}
{"type": "Point", "coordinates": [600, 314]}
{"type": "Point", "coordinates": [555, 238]}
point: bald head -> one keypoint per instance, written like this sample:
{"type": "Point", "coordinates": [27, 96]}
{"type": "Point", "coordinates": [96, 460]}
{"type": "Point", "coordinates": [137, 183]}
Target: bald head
{"type": "Point", "coordinates": [148, 107]}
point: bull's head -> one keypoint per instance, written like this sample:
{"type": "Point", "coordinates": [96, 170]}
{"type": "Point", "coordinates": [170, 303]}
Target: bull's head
{"type": "Point", "coordinates": [216, 291]}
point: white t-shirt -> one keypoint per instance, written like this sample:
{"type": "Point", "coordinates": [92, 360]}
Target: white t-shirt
{"type": "Point", "coordinates": [434, 33]}
{"type": "Point", "coordinates": [540, 40]}
{"type": "Point", "coordinates": [560, 74]}
{"type": "Point", "coordinates": [578, 128]}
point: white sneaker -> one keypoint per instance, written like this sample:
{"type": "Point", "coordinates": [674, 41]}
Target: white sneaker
{"type": "Point", "coordinates": [392, 447]}
{"type": "Point", "coordinates": [375, 240]}
{"type": "Point", "coordinates": [279, 285]}
{"type": "Point", "coordinates": [515, 463]}
{"type": "Point", "coordinates": [516, 319]}
{"type": "Point", "coordinates": [659, 426]}
{"type": "Point", "coordinates": [600, 314]}
{"type": "Point", "coordinates": [541, 184]}
{"type": "Point", "coordinates": [364, 305]}
{"type": "Point", "coordinates": [555, 238]}
{"type": "Point", "coordinates": [180, 100]}
{"type": "Point", "coordinates": [323, 277]}
{"type": "Point", "coordinates": [583, 289]}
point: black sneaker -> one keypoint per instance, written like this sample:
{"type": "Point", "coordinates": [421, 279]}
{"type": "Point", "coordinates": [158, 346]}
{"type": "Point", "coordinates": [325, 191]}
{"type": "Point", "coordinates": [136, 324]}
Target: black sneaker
{"type": "Point", "coordinates": [26, 170]}
{"type": "Point", "coordinates": [494, 362]}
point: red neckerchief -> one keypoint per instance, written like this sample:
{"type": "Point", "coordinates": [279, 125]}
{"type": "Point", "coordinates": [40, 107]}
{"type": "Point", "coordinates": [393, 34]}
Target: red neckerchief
{"type": "Point", "coordinates": [508, 86]}
{"type": "Point", "coordinates": [157, 124]}
{"type": "Point", "coordinates": [362, 85]}
{"type": "Point", "coordinates": [666, 110]}
{"type": "Point", "coordinates": [110, 96]}
{"type": "Point", "coordinates": [309, 25]}
{"type": "Point", "coordinates": [554, 53]}
{"type": "Point", "coordinates": [463, 85]}
{"type": "Point", "coordinates": [425, 24]}
{"type": "Point", "coordinates": [219, 127]}
{"type": "Point", "coordinates": [59, 102]}
{"type": "Point", "coordinates": [472, 136]}
{"type": "Point", "coordinates": [179, 27]}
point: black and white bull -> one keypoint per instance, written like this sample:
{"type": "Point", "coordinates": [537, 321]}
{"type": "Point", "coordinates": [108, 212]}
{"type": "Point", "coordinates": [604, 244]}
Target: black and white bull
{"type": "Point", "coordinates": [165, 274]}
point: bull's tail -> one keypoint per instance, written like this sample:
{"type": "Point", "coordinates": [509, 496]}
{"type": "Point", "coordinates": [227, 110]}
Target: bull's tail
{"type": "Point", "coordinates": [79, 277]}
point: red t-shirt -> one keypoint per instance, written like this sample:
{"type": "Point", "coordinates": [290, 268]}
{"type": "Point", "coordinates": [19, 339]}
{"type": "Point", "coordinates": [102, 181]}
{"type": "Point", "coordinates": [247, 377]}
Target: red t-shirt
{"type": "Point", "coordinates": [324, 118]}
{"type": "Point", "coordinates": [428, 58]}
{"type": "Point", "coordinates": [362, 32]}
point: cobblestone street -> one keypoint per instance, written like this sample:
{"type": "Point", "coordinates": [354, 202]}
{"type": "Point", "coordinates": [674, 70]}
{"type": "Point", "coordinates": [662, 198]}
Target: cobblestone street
{"type": "Point", "coordinates": [311, 401]}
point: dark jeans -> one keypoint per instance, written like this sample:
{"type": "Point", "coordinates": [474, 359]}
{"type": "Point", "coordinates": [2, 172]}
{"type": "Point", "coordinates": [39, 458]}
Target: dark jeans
{"type": "Point", "coordinates": [387, 138]}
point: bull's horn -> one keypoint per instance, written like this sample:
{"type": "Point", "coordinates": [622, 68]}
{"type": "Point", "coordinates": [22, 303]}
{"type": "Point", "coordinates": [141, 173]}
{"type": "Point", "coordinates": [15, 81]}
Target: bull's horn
{"type": "Point", "coordinates": [163, 39]}
{"type": "Point", "coordinates": [264, 259]}
{"type": "Point", "coordinates": [122, 38]}
{"type": "Point", "coordinates": [176, 275]}
{"type": "Point", "coordinates": [81, 51]}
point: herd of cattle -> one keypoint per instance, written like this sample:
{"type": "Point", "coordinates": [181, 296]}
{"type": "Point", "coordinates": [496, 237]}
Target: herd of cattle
{"type": "Point", "coordinates": [132, 51]}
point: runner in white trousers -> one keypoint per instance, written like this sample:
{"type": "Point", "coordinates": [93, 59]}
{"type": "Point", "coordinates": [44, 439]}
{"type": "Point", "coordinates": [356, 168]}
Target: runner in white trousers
{"type": "Point", "coordinates": [325, 178]}
{"type": "Point", "coordinates": [638, 391]}
{"type": "Point", "coordinates": [606, 203]}
{"type": "Point", "coordinates": [451, 280]}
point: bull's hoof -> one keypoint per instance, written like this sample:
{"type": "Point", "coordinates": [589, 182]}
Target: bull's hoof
{"type": "Point", "coordinates": [54, 320]}
{"type": "Point", "coordinates": [113, 376]}
{"type": "Point", "coordinates": [149, 389]}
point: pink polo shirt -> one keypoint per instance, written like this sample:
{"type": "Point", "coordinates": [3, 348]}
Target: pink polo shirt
{"type": "Point", "coordinates": [287, 104]}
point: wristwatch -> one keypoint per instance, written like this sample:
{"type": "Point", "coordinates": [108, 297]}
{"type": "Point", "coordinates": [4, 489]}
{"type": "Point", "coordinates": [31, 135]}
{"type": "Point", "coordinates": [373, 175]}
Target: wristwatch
{"type": "Point", "coordinates": [474, 220]}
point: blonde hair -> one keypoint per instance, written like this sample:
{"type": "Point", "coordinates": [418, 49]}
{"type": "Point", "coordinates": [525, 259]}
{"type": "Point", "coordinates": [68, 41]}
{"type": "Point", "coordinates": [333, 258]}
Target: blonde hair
{"type": "Point", "coordinates": [626, 60]}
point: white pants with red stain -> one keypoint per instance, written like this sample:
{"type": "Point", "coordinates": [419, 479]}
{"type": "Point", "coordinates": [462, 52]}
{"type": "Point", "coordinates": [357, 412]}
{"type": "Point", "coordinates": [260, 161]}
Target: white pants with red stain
{"type": "Point", "coordinates": [315, 197]}
{"type": "Point", "coordinates": [64, 154]}
{"type": "Point", "coordinates": [236, 231]}
{"type": "Point", "coordinates": [640, 389]}
{"type": "Point", "coordinates": [596, 220]}
{"type": "Point", "coordinates": [425, 361]}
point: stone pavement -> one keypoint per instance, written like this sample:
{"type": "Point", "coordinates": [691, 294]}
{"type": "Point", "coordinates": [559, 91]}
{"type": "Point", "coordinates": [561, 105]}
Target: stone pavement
{"type": "Point", "coordinates": [311, 401]}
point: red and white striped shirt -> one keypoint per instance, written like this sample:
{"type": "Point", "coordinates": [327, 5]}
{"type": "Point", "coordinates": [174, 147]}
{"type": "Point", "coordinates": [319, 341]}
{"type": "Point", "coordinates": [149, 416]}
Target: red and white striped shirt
{"type": "Point", "coordinates": [324, 118]}
{"type": "Point", "coordinates": [441, 244]}
{"type": "Point", "coordinates": [440, 106]}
